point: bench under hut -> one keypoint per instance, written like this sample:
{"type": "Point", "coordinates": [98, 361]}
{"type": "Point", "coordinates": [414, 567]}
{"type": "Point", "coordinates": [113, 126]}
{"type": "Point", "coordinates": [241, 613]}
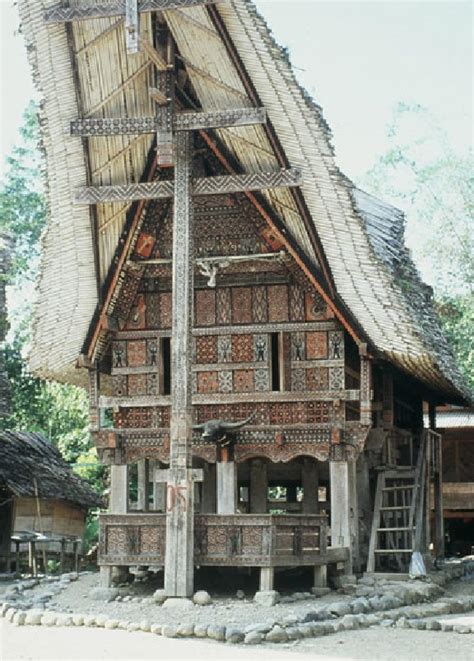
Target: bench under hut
{"type": "Point", "coordinates": [43, 504]}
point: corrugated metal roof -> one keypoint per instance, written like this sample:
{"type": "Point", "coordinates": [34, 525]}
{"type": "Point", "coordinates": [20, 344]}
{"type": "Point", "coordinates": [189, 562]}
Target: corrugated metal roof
{"type": "Point", "coordinates": [361, 237]}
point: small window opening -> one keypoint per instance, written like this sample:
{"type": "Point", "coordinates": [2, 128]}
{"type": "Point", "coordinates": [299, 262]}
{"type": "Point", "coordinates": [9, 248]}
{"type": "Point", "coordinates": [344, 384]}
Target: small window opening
{"type": "Point", "coordinates": [275, 344]}
{"type": "Point", "coordinates": [166, 357]}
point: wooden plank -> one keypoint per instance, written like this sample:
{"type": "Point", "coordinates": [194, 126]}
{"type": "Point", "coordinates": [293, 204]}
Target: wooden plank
{"type": "Point", "coordinates": [159, 62]}
{"type": "Point", "coordinates": [183, 121]}
{"type": "Point", "coordinates": [62, 13]}
{"type": "Point", "coordinates": [158, 96]}
{"type": "Point", "coordinates": [203, 186]}
{"type": "Point", "coordinates": [375, 523]}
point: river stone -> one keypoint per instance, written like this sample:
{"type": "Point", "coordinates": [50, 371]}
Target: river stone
{"type": "Point", "coordinates": [49, 619]}
{"type": "Point", "coordinates": [19, 618]}
{"type": "Point", "coordinates": [216, 632]}
{"type": "Point", "coordinates": [446, 626]}
{"type": "Point", "coordinates": [89, 621]}
{"type": "Point", "coordinates": [186, 630]}
{"type": "Point", "coordinates": [100, 620]}
{"type": "Point", "coordinates": [34, 617]}
{"type": "Point", "coordinates": [178, 603]}
{"type": "Point", "coordinates": [202, 598]}
{"type": "Point", "coordinates": [64, 621]}
{"type": "Point", "coordinates": [433, 625]}
{"type": "Point", "coordinates": [234, 635]}
{"type": "Point", "coordinates": [103, 594]}
{"type": "Point", "coordinates": [461, 628]}
{"type": "Point", "coordinates": [169, 631]}
{"type": "Point", "coordinates": [402, 623]}
{"type": "Point", "coordinates": [200, 630]}
{"type": "Point", "coordinates": [293, 633]}
{"type": "Point", "coordinates": [349, 622]}
{"type": "Point", "coordinates": [253, 638]}
{"type": "Point", "coordinates": [360, 605]}
{"type": "Point", "coordinates": [276, 635]}
{"type": "Point", "coordinates": [320, 592]}
{"type": "Point", "coordinates": [156, 629]}
{"type": "Point", "coordinates": [123, 624]}
{"type": "Point", "coordinates": [340, 608]}
{"type": "Point", "coordinates": [306, 630]}
{"type": "Point", "coordinates": [159, 597]}
{"type": "Point", "coordinates": [111, 624]}
{"type": "Point", "coordinates": [289, 620]}
{"type": "Point", "coordinates": [240, 594]}
{"type": "Point", "coordinates": [267, 598]}
{"type": "Point", "coordinates": [10, 614]}
{"type": "Point", "coordinates": [145, 626]}
{"type": "Point", "coordinates": [133, 626]}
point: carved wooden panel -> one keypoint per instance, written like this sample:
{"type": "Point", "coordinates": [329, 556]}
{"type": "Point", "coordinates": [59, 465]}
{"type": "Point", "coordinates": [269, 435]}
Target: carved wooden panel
{"type": "Point", "coordinates": [137, 384]}
{"type": "Point", "coordinates": [259, 305]}
{"type": "Point", "coordinates": [317, 412]}
{"type": "Point", "coordinates": [316, 345]}
{"type": "Point", "coordinates": [145, 244]}
{"type": "Point", "coordinates": [153, 310]}
{"type": "Point", "coordinates": [224, 349]}
{"type": "Point", "coordinates": [205, 308]}
{"type": "Point", "coordinates": [119, 354]}
{"type": "Point", "coordinates": [137, 318]}
{"type": "Point", "coordinates": [260, 348]}
{"type": "Point", "coordinates": [152, 353]}
{"type": "Point", "coordinates": [244, 381]}
{"type": "Point", "coordinates": [278, 303]}
{"type": "Point", "coordinates": [207, 382]}
{"type": "Point", "coordinates": [317, 378]}
{"type": "Point", "coordinates": [296, 303]}
{"type": "Point", "coordinates": [223, 306]}
{"type": "Point", "coordinates": [225, 381]}
{"type": "Point", "coordinates": [150, 538]}
{"type": "Point", "coordinates": [165, 310]}
{"type": "Point", "coordinates": [262, 380]}
{"type": "Point", "coordinates": [153, 384]}
{"type": "Point", "coordinates": [298, 380]}
{"type": "Point", "coordinates": [316, 308]}
{"type": "Point", "coordinates": [206, 349]}
{"type": "Point", "coordinates": [298, 348]}
{"type": "Point", "coordinates": [119, 385]}
{"type": "Point", "coordinates": [336, 378]}
{"type": "Point", "coordinates": [336, 345]}
{"type": "Point", "coordinates": [241, 305]}
{"type": "Point", "coordinates": [134, 418]}
{"type": "Point", "coordinates": [242, 348]}
{"type": "Point", "coordinates": [136, 353]}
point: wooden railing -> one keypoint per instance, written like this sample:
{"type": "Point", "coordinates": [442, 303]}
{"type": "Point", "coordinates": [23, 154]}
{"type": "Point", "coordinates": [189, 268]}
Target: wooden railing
{"type": "Point", "coordinates": [239, 540]}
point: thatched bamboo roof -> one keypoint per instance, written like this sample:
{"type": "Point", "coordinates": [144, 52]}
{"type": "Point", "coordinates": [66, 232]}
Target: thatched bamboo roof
{"type": "Point", "coordinates": [31, 466]}
{"type": "Point", "coordinates": [231, 60]}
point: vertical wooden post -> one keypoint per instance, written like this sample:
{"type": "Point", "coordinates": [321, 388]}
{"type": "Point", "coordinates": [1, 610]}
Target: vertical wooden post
{"type": "Point", "coordinates": [17, 558]}
{"type": "Point", "coordinates": [267, 575]}
{"type": "Point", "coordinates": [309, 481]}
{"type": "Point", "coordinates": [75, 548]}
{"type": "Point", "coordinates": [143, 485]}
{"type": "Point", "coordinates": [208, 501]}
{"type": "Point", "coordinates": [226, 487]}
{"type": "Point", "coordinates": [344, 511]}
{"type": "Point", "coordinates": [437, 458]}
{"type": "Point", "coordinates": [62, 557]}
{"type": "Point", "coordinates": [258, 486]}
{"type": "Point", "coordinates": [179, 560]}
{"type": "Point", "coordinates": [365, 390]}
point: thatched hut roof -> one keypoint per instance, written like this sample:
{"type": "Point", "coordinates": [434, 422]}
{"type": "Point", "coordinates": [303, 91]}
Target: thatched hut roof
{"type": "Point", "coordinates": [31, 466]}
{"type": "Point", "coordinates": [229, 56]}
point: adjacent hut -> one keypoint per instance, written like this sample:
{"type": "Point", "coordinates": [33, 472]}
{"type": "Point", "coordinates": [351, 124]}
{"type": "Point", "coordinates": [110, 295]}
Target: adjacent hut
{"type": "Point", "coordinates": [256, 341]}
{"type": "Point", "coordinates": [39, 493]}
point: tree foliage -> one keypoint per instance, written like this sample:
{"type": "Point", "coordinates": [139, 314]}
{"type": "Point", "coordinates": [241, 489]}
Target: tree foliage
{"type": "Point", "coordinates": [423, 175]}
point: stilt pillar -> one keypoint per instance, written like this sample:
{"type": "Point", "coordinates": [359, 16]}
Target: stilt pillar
{"type": "Point", "coordinates": [226, 485]}
{"type": "Point", "coordinates": [258, 487]}
{"type": "Point", "coordinates": [208, 500]}
{"type": "Point", "coordinates": [320, 576]}
{"type": "Point", "coordinates": [344, 517]}
{"type": "Point", "coordinates": [143, 486]}
{"type": "Point", "coordinates": [267, 575]}
{"type": "Point", "coordinates": [118, 489]}
{"type": "Point", "coordinates": [310, 483]}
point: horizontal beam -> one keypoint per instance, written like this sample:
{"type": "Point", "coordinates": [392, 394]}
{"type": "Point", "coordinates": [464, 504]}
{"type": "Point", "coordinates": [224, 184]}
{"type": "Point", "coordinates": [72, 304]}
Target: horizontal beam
{"type": "Point", "coordinates": [61, 13]}
{"type": "Point", "coordinates": [263, 256]}
{"type": "Point", "coordinates": [183, 121]}
{"type": "Point", "coordinates": [204, 186]}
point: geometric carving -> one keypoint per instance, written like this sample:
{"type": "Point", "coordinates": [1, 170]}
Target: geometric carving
{"type": "Point", "coordinates": [165, 310]}
{"type": "Point", "coordinates": [119, 354]}
{"type": "Point", "coordinates": [224, 349]}
{"type": "Point", "coordinates": [298, 380]}
{"type": "Point", "coordinates": [242, 348]}
{"type": "Point", "coordinates": [336, 378]}
{"type": "Point", "coordinates": [241, 305]}
{"type": "Point", "coordinates": [207, 382]}
{"type": "Point", "coordinates": [119, 385]}
{"type": "Point", "coordinates": [223, 305]}
{"type": "Point", "coordinates": [297, 347]}
{"type": "Point", "coordinates": [317, 378]}
{"type": "Point", "coordinates": [136, 353]}
{"type": "Point", "coordinates": [316, 308]}
{"type": "Point", "coordinates": [259, 305]}
{"type": "Point", "coordinates": [243, 381]}
{"type": "Point", "coordinates": [206, 349]}
{"type": "Point", "coordinates": [205, 307]}
{"type": "Point", "coordinates": [317, 412]}
{"type": "Point", "coordinates": [260, 351]}
{"type": "Point", "coordinates": [153, 311]}
{"type": "Point", "coordinates": [145, 244]}
{"type": "Point", "coordinates": [336, 345]}
{"type": "Point", "coordinates": [136, 318]}
{"type": "Point", "coordinates": [278, 303]}
{"type": "Point", "coordinates": [296, 303]}
{"type": "Point", "coordinates": [316, 345]}
{"type": "Point", "coordinates": [152, 348]}
{"type": "Point", "coordinates": [262, 380]}
{"type": "Point", "coordinates": [153, 384]}
{"type": "Point", "coordinates": [225, 381]}
{"type": "Point", "coordinates": [137, 385]}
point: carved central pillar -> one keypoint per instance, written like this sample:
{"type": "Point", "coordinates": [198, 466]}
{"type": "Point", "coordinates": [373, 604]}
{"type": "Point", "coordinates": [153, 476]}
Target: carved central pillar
{"type": "Point", "coordinates": [179, 560]}
{"type": "Point", "coordinates": [226, 484]}
{"type": "Point", "coordinates": [344, 510]}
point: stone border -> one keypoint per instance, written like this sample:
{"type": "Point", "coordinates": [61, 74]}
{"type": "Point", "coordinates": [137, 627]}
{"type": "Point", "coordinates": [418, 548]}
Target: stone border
{"type": "Point", "coordinates": [416, 603]}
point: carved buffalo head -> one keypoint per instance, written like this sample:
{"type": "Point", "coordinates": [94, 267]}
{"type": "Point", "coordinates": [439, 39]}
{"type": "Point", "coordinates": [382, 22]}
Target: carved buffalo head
{"type": "Point", "coordinates": [216, 430]}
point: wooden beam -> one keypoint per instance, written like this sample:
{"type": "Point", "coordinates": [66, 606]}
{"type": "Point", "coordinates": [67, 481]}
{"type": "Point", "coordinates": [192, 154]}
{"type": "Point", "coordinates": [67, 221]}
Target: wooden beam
{"type": "Point", "coordinates": [153, 55]}
{"type": "Point", "coordinates": [158, 96]}
{"type": "Point", "coordinates": [183, 121]}
{"type": "Point", "coordinates": [204, 186]}
{"type": "Point", "coordinates": [62, 13]}
{"type": "Point", "coordinates": [131, 26]}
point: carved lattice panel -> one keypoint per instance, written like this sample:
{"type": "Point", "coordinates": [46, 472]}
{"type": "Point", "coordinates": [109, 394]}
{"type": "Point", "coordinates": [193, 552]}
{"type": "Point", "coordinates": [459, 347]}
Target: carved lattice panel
{"type": "Point", "coordinates": [316, 345]}
{"type": "Point", "coordinates": [223, 306]}
{"type": "Point", "coordinates": [241, 305]}
{"type": "Point", "coordinates": [225, 381]}
{"type": "Point", "coordinates": [165, 310]}
{"type": "Point", "coordinates": [281, 414]}
{"type": "Point", "coordinates": [117, 540]}
{"type": "Point", "coordinates": [316, 308]}
{"type": "Point", "coordinates": [205, 308]}
{"type": "Point", "coordinates": [217, 540]}
{"type": "Point", "coordinates": [260, 348]}
{"type": "Point", "coordinates": [136, 353]}
{"type": "Point", "coordinates": [119, 385]}
{"type": "Point", "coordinates": [252, 540]}
{"type": "Point", "coordinates": [224, 349]}
{"type": "Point", "coordinates": [299, 413]}
{"type": "Point", "coordinates": [278, 303]}
{"type": "Point", "coordinates": [296, 301]}
{"type": "Point", "coordinates": [317, 412]}
{"type": "Point", "coordinates": [336, 378]}
{"type": "Point", "coordinates": [259, 305]}
{"type": "Point", "coordinates": [242, 348]}
{"type": "Point", "coordinates": [151, 541]}
{"type": "Point", "coordinates": [207, 382]}
{"type": "Point", "coordinates": [262, 380]}
{"type": "Point", "coordinates": [244, 381]}
{"type": "Point", "coordinates": [137, 317]}
{"type": "Point", "coordinates": [298, 380]}
{"type": "Point", "coordinates": [317, 378]}
{"type": "Point", "coordinates": [153, 384]}
{"type": "Point", "coordinates": [336, 345]}
{"type": "Point", "coordinates": [153, 310]}
{"type": "Point", "coordinates": [137, 385]}
{"type": "Point", "coordinates": [119, 354]}
{"type": "Point", "coordinates": [206, 349]}
{"type": "Point", "coordinates": [134, 418]}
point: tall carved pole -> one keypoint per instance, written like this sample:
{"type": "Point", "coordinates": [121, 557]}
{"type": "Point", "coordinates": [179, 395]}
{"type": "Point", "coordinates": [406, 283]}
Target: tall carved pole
{"type": "Point", "coordinates": [179, 560]}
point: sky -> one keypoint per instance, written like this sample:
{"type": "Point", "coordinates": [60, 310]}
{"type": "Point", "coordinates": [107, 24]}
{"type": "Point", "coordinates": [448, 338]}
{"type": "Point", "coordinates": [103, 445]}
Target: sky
{"type": "Point", "coordinates": [356, 58]}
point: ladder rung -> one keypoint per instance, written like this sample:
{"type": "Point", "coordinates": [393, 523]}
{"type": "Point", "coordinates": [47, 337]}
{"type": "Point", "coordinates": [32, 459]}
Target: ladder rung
{"type": "Point", "coordinates": [399, 488]}
{"type": "Point", "coordinates": [396, 507]}
{"type": "Point", "coordinates": [393, 529]}
{"type": "Point", "coordinates": [393, 551]}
